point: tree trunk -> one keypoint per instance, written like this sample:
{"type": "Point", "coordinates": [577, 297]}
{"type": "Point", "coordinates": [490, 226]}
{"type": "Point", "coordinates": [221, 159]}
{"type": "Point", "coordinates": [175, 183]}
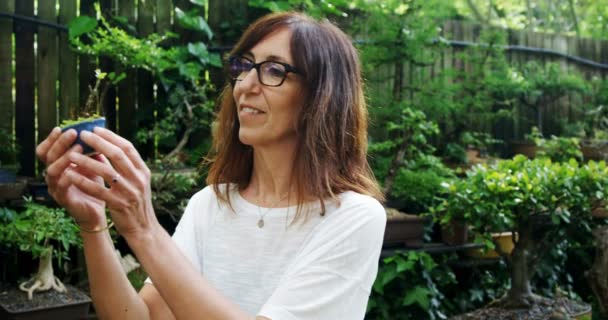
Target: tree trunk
{"type": "Point", "coordinates": [520, 294]}
{"type": "Point", "coordinates": [596, 276]}
{"type": "Point", "coordinates": [45, 278]}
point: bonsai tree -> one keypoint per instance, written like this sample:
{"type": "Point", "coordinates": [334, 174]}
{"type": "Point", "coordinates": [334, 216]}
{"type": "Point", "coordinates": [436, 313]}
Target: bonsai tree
{"type": "Point", "coordinates": [47, 234]}
{"type": "Point", "coordinates": [179, 69]}
{"type": "Point", "coordinates": [539, 200]}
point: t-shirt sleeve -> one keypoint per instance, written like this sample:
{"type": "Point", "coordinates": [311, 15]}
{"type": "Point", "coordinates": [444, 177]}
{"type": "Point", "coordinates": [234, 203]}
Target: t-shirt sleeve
{"type": "Point", "coordinates": [332, 276]}
{"type": "Point", "coordinates": [185, 236]}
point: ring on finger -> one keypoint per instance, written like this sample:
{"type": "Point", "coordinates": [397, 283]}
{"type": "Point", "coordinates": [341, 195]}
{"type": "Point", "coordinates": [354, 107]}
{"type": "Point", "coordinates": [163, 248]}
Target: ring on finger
{"type": "Point", "coordinates": [115, 178]}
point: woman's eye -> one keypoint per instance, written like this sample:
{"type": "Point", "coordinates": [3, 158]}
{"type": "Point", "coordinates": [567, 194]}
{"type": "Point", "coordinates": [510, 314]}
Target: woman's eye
{"type": "Point", "coordinates": [275, 70]}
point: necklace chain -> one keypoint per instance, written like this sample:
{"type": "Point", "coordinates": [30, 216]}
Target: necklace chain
{"type": "Point", "coordinates": [261, 216]}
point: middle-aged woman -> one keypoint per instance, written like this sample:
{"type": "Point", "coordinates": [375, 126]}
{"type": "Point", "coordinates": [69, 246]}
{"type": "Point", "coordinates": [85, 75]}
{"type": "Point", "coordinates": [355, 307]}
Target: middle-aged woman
{"type": "Point", "coordinates": [290, 226]}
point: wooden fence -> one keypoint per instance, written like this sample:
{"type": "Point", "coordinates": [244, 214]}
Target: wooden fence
{"type": "Point", "coordinates": [586, 57]}
{"type": "Point", "coordinates": [42, 80]}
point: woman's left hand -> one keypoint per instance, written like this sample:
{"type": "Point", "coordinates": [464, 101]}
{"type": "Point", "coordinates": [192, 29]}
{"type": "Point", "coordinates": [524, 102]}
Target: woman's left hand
{"type": "Point", "coordinates": [128, 192]}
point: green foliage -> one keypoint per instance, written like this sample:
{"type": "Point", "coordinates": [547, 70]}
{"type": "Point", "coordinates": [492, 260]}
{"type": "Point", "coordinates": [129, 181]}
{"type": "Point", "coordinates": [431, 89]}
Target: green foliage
{"type": "Point", "coordinates": [179, 68]}
{"type": "Point", "coordinates": [511, 192]}
{"type": "Point", "coordinates": [542, 85]}
{"type": "Point", "coordinates": [39, 229]}
{"type": "Point", "coordinates": [407, 288]}
{"type": "Point", "coordinates": [171, 189]}
{"type": "Point", "coordinates": [417, 189]}
{"type": "Point", "coordinates": [410, 133]}
{"type": "Point", "coordinates": [315, 8]}
{"type": "Point", "coordinates": [560, 149]}
{"type": "Point", "coordinates": [583, 18]}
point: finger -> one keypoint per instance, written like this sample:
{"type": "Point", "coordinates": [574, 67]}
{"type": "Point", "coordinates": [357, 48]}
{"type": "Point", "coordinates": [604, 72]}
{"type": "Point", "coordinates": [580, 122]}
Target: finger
{"type": "Point", "coordinates": [61, 145]}
{"type": "Point", "coordinates": [56, 168]}
{"type": "Point", "coordinates": [45, 145]}
{"type": "Point", "coordinates": [124, 144]}
{"type": "Point", "coordinates": [97, 190]}
{"type": "Point", "coordinates": [116, 155]}
{"type": "Point", "coordinates": [98, 168]}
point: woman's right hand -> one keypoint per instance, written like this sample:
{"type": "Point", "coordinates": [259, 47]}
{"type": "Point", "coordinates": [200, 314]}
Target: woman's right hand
{"type": "Point", "coordinates": [54, 151]}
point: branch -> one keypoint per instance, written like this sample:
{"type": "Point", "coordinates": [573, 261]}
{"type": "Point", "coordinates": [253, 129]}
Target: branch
{"type": "Point", "coordinates": [574, 18]}
{"type": "Point", "coordinates": [186, 136]}
{"type": "Point", "coordinates": [476, 12]}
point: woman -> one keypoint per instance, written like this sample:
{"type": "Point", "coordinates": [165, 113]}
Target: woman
{"type": "Point", "coordinates": [289, 226]}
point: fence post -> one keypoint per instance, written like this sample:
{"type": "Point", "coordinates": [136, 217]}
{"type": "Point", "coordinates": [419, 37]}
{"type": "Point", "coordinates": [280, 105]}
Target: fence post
{"type": "Point", "coordinates": [48, 61]}
{"type": "Point", "coordinates": [68, 77]}
{"type": "Point", "coordinates": [6, 69]}
{"type": "Point", "coordinates": [24, 76]}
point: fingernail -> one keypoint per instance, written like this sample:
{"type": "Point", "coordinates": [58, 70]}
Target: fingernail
{"type": "Point", "coordinates": [84, 133]}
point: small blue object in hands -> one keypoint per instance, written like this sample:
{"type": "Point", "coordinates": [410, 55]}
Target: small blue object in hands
{"type": "Point", "coordinates": [87, 125]}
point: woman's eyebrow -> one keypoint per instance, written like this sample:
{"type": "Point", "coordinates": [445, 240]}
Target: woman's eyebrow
{"type": "Point", "coordinates": [271, 57]}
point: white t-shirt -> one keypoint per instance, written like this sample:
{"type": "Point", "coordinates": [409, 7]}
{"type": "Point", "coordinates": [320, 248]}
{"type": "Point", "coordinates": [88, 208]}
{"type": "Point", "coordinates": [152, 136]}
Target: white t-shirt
{"type": "Point", "coordinates": [321, 269]}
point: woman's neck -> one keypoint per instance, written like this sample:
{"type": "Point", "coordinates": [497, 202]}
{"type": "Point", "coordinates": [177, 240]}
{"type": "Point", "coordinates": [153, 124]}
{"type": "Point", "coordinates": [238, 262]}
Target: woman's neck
{"type": "Point", "coordinates": [271, 179]}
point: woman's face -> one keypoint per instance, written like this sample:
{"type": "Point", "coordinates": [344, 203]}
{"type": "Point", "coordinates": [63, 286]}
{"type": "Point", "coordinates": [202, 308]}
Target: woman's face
{"type": "Point", "coordinates": [267, 114]}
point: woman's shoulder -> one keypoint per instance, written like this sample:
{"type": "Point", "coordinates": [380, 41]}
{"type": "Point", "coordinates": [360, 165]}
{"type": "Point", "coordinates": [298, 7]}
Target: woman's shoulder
{"type": "Point", "coordinates": [358, 206]}
{"type": "Point", "coordinates": [208, 194]}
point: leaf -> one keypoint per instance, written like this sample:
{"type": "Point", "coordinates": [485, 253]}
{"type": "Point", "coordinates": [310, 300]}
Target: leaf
{"type": "Point", "coordinates": [215, 60]}
{"type": "Point", "coordinates": [199, 50]}
{"type": "Point", "coordinates": [81, 25]}
{"type": "Point", "coordinates": [201, 3]}
{"type": "Point", "coordinates": [418, 295]}
{"type": "Point", "coordinates": [193, 21]}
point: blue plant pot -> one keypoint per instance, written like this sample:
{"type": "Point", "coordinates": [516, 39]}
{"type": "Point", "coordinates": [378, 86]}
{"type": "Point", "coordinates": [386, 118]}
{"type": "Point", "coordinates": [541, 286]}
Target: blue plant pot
{"type": "Point", "coordinates": [7, 176]}
{"type": "Point", "coordinates": [86, 126]}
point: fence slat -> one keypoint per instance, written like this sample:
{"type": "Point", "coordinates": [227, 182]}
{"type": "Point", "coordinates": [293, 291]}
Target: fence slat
{"type": "Point", "coordinates": [68, 77]}
{"type": "Point", "coordinates": [6, 70]}
{"type": "Point", "coordinates": [109, 104]}
{"type": "Point", "coordinates": [24, 77]}
{"type": "Point", "coordinates": [86, 64]}
{"type": "Point", "coordinates": [47, 70]}
{"type": "Point", "coordinates": [127, 90]}
{"type": "Point", "coordinates": [145, 90]}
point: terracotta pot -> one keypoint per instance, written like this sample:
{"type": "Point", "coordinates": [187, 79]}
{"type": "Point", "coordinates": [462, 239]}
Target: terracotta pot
{"type": "Point", "coordinates": [454, 233]}
{"type": "Point", "coordinates": [12, 190]}
{"type": "Point", "coordinates": [527, 148]}
{"type": "Point", "coordinates": [594, 149]}
{"type": "Point", "coordinates": [404, 229]}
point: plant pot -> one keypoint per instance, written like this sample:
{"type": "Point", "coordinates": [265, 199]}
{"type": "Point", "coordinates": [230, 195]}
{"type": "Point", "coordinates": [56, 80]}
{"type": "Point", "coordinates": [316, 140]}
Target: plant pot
{"type": "Point", "coordinates": [7, 175]}
{"type": "Point", "coordinates": [454, 233]}
{"type": "Point", "coordinates": [72, 305]}
{"type": "Point", "coordinates": [526, 148]}
{"type": "Point", "coordinates": [39, 191]}
{"type": "Point", "coordinates": [404, 229]}
{"type": "Point", "coordinates": [86, 125]}
{"type": "Point", "coordinates": [594, 149]}
{"type": "Point", "coordinates": [12, 190]}
{"type": "Point", "coordinates": [504, 240]}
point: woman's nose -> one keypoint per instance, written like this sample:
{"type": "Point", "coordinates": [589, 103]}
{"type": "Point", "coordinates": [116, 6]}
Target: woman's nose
{"type": "Point", "coordinates": [251, 81]}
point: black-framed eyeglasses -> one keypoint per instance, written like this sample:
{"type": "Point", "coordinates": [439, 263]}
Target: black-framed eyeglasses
{"type": "Point", "coordinates": [270, 73]}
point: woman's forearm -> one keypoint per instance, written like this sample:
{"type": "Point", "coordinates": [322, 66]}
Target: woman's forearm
{"type": "Point", "coordinates": [181, 286]}
{"type": "Point", "coordinates": [113, 295]}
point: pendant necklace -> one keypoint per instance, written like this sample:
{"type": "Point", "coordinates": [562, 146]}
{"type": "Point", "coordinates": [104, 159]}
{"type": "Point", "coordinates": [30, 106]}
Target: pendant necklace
{"type": "Point", "coordinates": [261, 220]}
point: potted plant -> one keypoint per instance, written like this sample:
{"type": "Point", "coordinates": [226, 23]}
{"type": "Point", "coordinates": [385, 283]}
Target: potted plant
{"type": "Point", "coordinates": [539, 200]}
{"type": "Point", "coordinates": [90, 116]}
{"type": "Point", "coordinates": [47, 234]}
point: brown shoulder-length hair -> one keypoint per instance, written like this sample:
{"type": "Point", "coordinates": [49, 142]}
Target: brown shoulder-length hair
{"type": "Point", "coordinates": [331, 152]}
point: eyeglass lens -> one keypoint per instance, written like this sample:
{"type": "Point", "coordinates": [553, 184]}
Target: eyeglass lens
{"type": "Point", "coordinates": [269, 73]}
